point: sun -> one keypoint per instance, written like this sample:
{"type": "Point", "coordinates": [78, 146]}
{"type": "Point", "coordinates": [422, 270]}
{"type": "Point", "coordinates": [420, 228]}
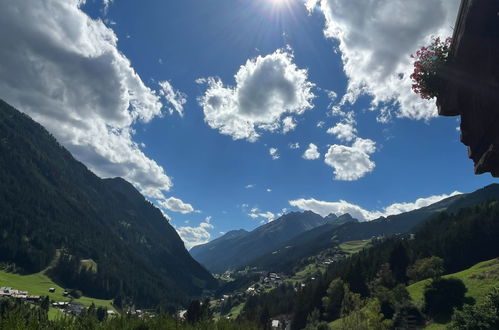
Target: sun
{"type": "Point", "coordinates": [278, 2]}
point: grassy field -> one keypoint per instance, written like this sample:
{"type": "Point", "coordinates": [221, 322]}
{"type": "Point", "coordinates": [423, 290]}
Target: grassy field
{"type": "Point", "coordinates": [479, 280]}
{"type": "Point", "coordinates": [235, 311]}
{"type": "Point", "coordinates": [310, 270]}
{"type": "Point", "coordinates": [38, 285]}
{"type": "Point", "coordinates": [354, 246]}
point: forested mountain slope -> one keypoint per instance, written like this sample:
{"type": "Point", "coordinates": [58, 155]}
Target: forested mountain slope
{"type": "Point", "coordinates": [50, 202]}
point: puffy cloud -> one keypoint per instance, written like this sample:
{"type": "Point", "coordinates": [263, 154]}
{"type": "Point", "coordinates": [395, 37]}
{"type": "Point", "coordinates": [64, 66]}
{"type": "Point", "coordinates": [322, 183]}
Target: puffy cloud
{"type": "Point", "coordinates": [64, 69]}
{"type": "Point", "coordinates": [376, 38]}
{"type": "Point", "coordinates": [341, 207]}
{"type": "Point", "coordinates": [274, 152]}
{"type": "Point", "coordinates": [325, 208]}
{"type": "Point", "coordinates": [288, 124]}
{"type": "Point", "coordinates": [193, 236]}
{"type": "Point", "coordinates": [311, 153]}
{"type": "Point", "coordinates": [343, 131]}
{"type": "Point", "coordinates": [176, 205]}
{"type": "Point", "coordinates": [266, 89]}
{"type": "Point", "coordinates": [269, 190]}
{"type": "Point", "coordinates": [249, 186]}
{"type": "Point", "coordinates": [175, 98]}
{"type": "Point", "coordinates": [294, 145]}
{"type": "Point", "coordinates": [351, 163]}
{"type": "Point", "coordinates": [398, 208]}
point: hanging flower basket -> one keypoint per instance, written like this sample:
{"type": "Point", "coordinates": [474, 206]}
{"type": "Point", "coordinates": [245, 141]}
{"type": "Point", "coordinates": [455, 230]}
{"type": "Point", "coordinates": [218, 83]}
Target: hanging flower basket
{"type": "Point", "coordinates": [429, 61]}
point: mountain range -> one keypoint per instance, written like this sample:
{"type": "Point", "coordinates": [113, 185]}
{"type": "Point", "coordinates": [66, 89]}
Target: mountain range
{"type": "Point", "coordinates": [269, 250]}
{"type": "Point", "coordinates": [237, 248]}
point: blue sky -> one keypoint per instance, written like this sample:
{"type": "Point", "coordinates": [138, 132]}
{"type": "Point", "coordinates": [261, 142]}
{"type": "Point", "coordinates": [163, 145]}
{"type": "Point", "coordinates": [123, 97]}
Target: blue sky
{"type": "Point", "coordinates": [148, 91]}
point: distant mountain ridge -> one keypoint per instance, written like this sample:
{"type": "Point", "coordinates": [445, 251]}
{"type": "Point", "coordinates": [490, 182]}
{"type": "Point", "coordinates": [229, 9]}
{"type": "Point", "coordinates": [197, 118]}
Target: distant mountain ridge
{"type": "Point", "coordinates": [236, 248]}
{"type": "Point", "coordinates": [49, 201]}
{"type": "Point", "coordinates": [272, 248]}
{"type": "Point", "coordinates": [312, 242]}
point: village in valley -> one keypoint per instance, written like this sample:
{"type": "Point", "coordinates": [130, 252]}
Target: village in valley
{"type": "Point", "coordinates": [253, 281]}
{"type": "Point", "coordinates": [70, 307]}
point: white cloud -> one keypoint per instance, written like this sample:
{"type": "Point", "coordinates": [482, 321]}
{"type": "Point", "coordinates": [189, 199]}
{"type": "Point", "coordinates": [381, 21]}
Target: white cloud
{"type": "Point", "coordinates": [269, 216]}
{"type": "Point", "coordinates": [320, 124]}
{"type": "Point", "coordinates": [64, 69]}
{"type": "Point", "coordinates": [295, 145]}
{"type": "Point", "coordinates": [175, 98]}
{"type": "Point", "coordinates": [288, 124]}
{"type": "Point", "coordinates": [311, 153]}
{"type": "Point", "coordinates": [106, 3]}
{"type": "Point", "coordinates": [167, 217]}
{"type": "Point", "coordinates": [341, 207]}
{"type": "Point", "coordinates": [274, 152]}
{"type": "Point", "coordinates": [332, 95]}
{"type": "Point", "coordinates": [176, 205]}
{"type": "Point", "coordinates": [269, 190]}
{"type": "Point", "coordinates": [351, 163]}
{"type": "Point", "coordinates": [398, 208]}
{"type": "Point", "coordinates": [266, 89]}
{"type": "Point", "coordinates": [343, 131]}
{"type": "Point", "coordinates": [193, 236]}
{"type": "Point", "coordinates": [249, 186]}
{"type": "Point", "coordinates": [376, 38]}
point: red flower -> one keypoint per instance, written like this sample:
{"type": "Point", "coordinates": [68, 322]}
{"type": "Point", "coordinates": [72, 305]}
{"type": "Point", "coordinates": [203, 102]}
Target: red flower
{"type": "Point", "coordinates": [428, 60]}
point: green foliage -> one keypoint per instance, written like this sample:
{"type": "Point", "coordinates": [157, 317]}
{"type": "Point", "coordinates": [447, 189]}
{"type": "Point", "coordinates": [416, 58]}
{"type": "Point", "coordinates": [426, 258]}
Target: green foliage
{"type": "Point", "coordinates": [75, 294]}
{"type": "Point", "coordinates": [351, 301]}
{"type": "Point", "coordinates": [198, 311]}
{"type": "Point", "coordinates": [278, 301]}
{"type": "Point", "coordinates": [194, 312]}
{"type": "Point", "coordinates": [392, 301]}
{"type": "Point", "coordinates": [17, 315]}
{"type": "Point", "coordinates": [442, 295]}
{"type": "Point", "coordinates": [482, 316]}
{"type": "Point", "coordinates": [365, 316]}
{"type": "Point", "coordinates": [332, 302]}
{"type": "Point", "coordinates": [384, 277]}
{"type": "Point", "coordinates": [408, 317]}
{"type": "Point", "coordinates": [314, 322]}
{"type": "Point", "coordinates": [432, 267]}
{"type": "Point", "coordinates": [399, 260]}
